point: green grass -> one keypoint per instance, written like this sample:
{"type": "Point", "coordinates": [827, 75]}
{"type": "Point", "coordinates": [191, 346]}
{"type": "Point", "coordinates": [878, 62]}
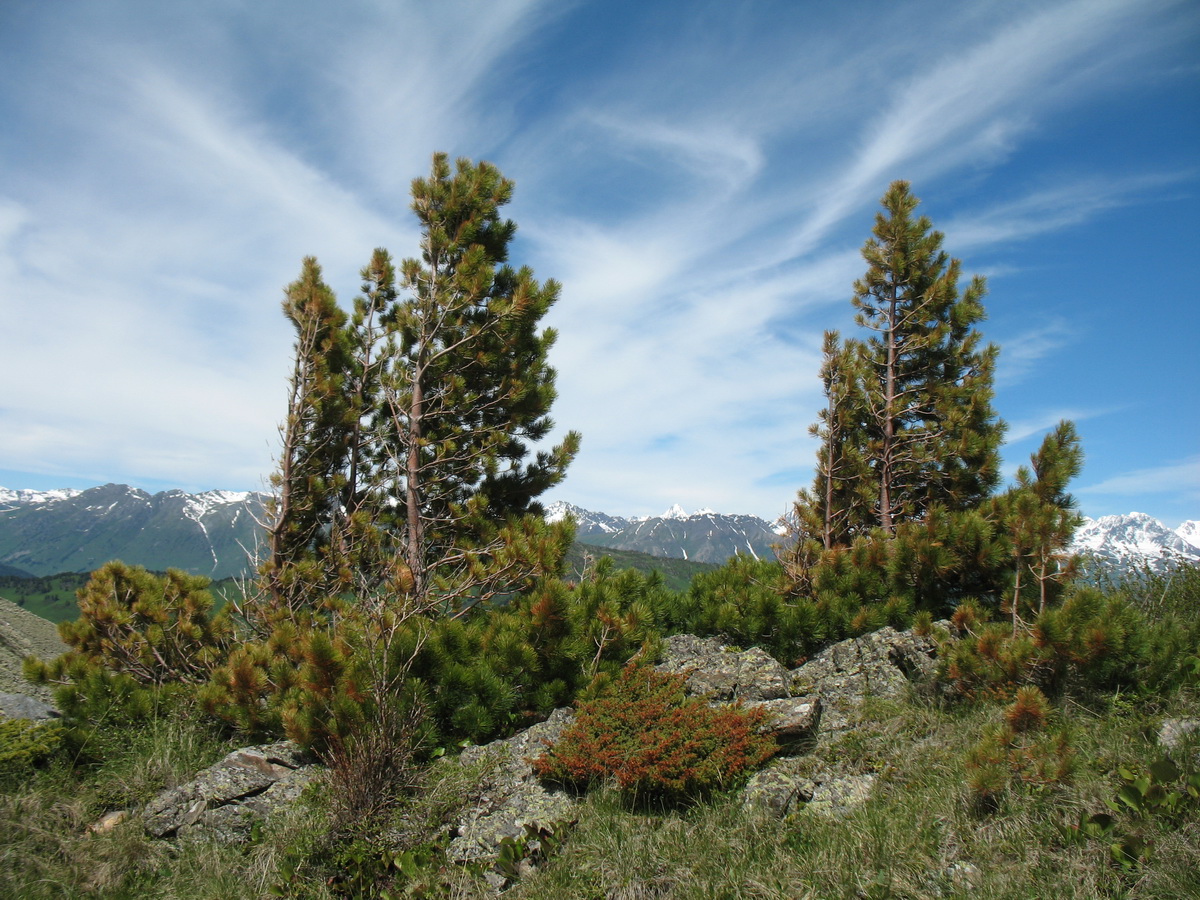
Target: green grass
{"type": "Point", "coordinates": [918, 836]}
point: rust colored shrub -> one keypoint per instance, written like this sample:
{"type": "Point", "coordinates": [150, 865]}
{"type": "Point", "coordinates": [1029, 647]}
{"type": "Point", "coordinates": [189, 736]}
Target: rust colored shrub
{"type": "Point", "coordinates": [655, 742]}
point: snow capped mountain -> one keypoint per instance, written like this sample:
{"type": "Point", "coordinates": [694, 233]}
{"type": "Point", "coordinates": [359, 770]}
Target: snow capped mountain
{"type": "Point", "coordinates": [1190, 532]}
{"type": "Point", "coordinates": [702, 536]}
{"type": "Point", "coordinates": [1135, 539]}
{"type": "Point", "coordinates": [586, 521]}
{"type": "Point", "coordinates": [212, 533]}
{"type": "Point", "coordinates": [10, 498]}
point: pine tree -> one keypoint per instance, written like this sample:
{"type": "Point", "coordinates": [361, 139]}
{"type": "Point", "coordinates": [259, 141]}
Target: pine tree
{"type": "Point", "coordinates": [838, 506]}
{"type": "Point", "coordinates": [470, 384]}
{"type": "Point", "coordinates": [406, 454]}
{"type": "Point", "coordinates": [910, 423]}
{"type": "Point", "coordinates": [1041, 518]}
{"type": "Point", "coordinates": [312, 460]}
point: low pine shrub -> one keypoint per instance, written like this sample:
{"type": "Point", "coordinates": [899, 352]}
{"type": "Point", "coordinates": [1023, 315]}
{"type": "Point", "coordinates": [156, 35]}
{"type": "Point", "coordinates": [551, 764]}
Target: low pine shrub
{"type": "Point", "coordinates": [1024, 750]}
{"type": "Point", "coordinates": [656, 743]}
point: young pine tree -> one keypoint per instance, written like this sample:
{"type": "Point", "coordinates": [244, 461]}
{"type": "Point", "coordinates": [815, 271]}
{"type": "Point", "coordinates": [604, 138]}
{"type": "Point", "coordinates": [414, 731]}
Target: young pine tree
{"type": "Point", "coordinates": [312, 460]}
{"type": "Point", "coordinates": [839, 504]}
{"type": "Point", "coordinates": [919, 411]}
{"type": "Point", "coordinates": [470, 384]}
{"type": "Point", "coordinates": [1040, 517]}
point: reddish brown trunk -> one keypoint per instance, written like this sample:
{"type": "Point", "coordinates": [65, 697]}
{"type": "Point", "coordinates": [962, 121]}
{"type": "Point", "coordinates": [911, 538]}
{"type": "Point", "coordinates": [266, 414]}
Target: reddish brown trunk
{"type": "Point", "coordinates": [889, 422]}
{"type": "Point", "coordinates": [412, 490]}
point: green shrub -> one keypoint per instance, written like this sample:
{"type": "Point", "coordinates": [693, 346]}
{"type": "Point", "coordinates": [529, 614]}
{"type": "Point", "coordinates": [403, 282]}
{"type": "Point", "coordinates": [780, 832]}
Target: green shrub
{"type": "Point", "coordinates": [1023, 750]}
{"type": "Point", "coordinates": [1090, 640]}
{"type": "Point", "coordinates": [24, 745]}
{"type": "Point", "coordinates": [156, 629]}
{"type": "Point", "coordinates": [746, 601]}
{"type": "Point", "coordinates": [643, 732]}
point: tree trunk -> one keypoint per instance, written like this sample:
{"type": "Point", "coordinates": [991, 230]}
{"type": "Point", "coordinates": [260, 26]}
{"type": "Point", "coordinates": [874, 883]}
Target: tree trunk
{"type": "Point", "coordinates": [889, 421]}
{"type": "Point", "coordinates": [414, 549]}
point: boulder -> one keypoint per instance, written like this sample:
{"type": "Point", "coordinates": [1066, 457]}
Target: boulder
{"type": "Point", "coordinates": [882, 664]}
{"type": "Point", "coordinates": [225, 800]}
{"type": "Point", "coordinates": [22, 706]}
{"type": "Point", "coordinates": [789, 786]}
{"type": "Point", "coordinates": [722, 674]}
{"type": "Point", "coordinates": [510, 802]}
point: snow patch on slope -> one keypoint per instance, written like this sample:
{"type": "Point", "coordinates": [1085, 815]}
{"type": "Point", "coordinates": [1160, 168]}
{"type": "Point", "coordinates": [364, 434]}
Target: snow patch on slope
{"type": "Point", "coordinates": [10, 497]}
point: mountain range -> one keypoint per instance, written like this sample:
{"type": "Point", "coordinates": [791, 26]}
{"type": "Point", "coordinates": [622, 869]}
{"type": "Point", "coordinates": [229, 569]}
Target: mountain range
{"type": "Point", "coordinates": [212, 533]}
{"type": "Point", "coordinates": [216, 532]}
{"type": "Point", "coordinates": [702, 536]}
{"type": "Point", "coordinates": [1136, 539]}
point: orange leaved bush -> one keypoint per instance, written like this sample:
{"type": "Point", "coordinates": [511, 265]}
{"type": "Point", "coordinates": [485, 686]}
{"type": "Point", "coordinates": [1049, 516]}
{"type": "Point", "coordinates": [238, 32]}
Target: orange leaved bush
{"type": "Point", "coordinates": [655, 742]}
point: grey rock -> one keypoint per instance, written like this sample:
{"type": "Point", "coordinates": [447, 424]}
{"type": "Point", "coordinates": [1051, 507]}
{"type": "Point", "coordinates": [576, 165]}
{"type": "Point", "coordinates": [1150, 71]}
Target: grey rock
{"type": "Point", "coordinates": [1174, 732]}
{"type": "Point", "coordinates": [838, 796]}
{"type": "Point", "coordinates": [793, 720]}
{"type": "Point", "coordinates": [510, 802]}
{"type": "Point", "coordinates": [225, 800]}
{"type": "Point", "coordinates": [882, 664]}
{"type": "Point", "coordinates": [720, 673]}
{"type": "Point", "coordinates": [22, 706]}
{"type": "Point", "coordinates": [789, 786]}
{"type": "Point", "coordinates": [777, 789]}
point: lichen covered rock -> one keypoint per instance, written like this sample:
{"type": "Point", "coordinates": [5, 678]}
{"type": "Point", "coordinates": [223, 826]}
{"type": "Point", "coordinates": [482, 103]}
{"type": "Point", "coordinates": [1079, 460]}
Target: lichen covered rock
{"type": "Point", "coordinates": [722, 674]}
{"type": "Point", "coordinates": [882, 664]}
{"type": "Point", "coordinates": [510, 802]}
{"type": "Point", "coordinates": [226, 799]}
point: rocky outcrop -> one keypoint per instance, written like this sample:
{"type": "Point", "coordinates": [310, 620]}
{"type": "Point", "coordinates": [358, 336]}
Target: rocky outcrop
{"type": "Point", "coordinates": [22, 706]}
{"type": "Point", "coordinates": [722, 674]}
{"type": "Point", "coordinates": [839, 680]}
{"type": "Point", "coordinates": [882, 664]}
{"type": "Point", "coordinates": [719, 673]}
{"type": "Point", "coordinates": [225, 800]}
{"type": "Point", "coordinates": [509, 801]}
{"type": "Point", "coordinates": [23, 634]}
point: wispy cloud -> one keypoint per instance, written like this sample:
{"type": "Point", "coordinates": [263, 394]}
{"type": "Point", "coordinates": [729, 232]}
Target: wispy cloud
{"type": "Point", "coordinates": [1053, 209]}
{"type": "Point", "coordinates": [973, 106]}
{"type": "Point", "coordinates": [1022, 352]}
{"type": "Point", "coordinates": [1175, 478]}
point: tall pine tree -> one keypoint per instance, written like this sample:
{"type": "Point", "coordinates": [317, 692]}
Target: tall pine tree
{"type": "Point", "coordinates": [470, 385]}
{"type": "Point", "coordinates": [408, 432]}
{"type": "Point", "coordinates": [312, 460]}
{"type": "Point", "coordinates": [910, 423]}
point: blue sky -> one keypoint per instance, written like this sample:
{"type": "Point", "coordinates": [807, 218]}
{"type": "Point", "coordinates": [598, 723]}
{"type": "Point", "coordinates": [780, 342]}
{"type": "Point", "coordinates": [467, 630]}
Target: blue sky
{"type": "Point", "coordinates": [699, 176]}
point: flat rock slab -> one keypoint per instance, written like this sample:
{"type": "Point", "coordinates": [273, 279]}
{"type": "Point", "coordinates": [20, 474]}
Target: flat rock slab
{"type": "Point", "coordinates": [721, 674]}
{"type": "Point", "coordinates": [226, 798]}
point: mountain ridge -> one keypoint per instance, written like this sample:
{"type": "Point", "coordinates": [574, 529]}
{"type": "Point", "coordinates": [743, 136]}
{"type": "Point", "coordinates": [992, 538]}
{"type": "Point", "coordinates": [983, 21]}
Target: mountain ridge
{"type": "Point", "coordinates": [215, 532]}
{"type": "Point", "coordinates": [702, 536]}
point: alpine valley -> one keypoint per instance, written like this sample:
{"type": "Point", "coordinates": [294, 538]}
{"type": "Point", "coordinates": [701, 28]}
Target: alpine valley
{"type": "Point", "coordinates": [216, 532]}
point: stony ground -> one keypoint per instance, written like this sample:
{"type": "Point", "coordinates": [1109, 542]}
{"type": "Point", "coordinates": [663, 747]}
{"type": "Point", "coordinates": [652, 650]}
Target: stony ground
{"type": "Point", "coordinates": [22, 634]}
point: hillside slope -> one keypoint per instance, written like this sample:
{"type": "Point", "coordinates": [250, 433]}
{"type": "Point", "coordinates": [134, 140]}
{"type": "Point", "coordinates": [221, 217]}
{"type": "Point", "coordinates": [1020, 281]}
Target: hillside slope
{"type": "Point", "coordinates": [24, 634]}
